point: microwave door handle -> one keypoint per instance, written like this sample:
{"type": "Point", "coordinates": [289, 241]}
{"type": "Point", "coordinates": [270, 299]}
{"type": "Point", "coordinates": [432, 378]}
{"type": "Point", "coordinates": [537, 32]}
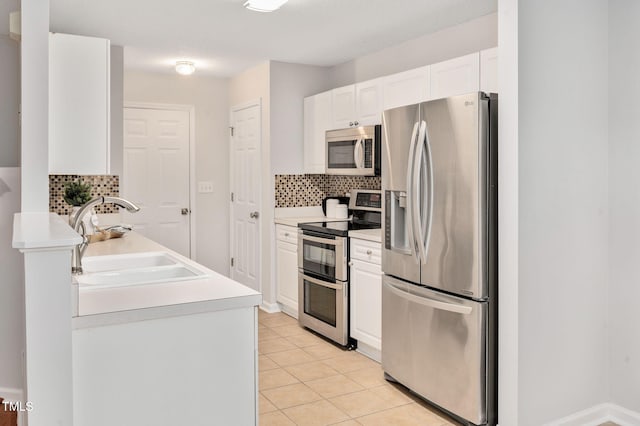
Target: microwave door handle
{"type": "Point", "coordinates": [410, 193]}
{"type": "Point", "coordinates": [429, 302]}
{"type": "Point", "coordinates": [361, 142]}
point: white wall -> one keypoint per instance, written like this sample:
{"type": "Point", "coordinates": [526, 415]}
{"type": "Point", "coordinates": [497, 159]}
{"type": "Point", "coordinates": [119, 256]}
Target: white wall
{"type": "Point", "coordinates": [508, 213]}
{"type": "Point", "coordinates": [563, 220]}
{"type": "Point", "coordinates": [10, 95]}
{"type": "Point", "coordinates": [11, 261]}
{"type": "Point", "coordinates": [9, 89]}
{"type": "Point", "coordinates": [34, 98]}
{"type": "Point", "coordinates": [12, 299]}
{"type": "Point", "coordinates": [289, 85]}
{"type": "Point", "coordinates": [459, 40]}
{"type": "Point", "coordinates": [116, 111]}
{"type": "Point", "coordinates": [209, 96]}
{"type": "Point", "coordinates": [624, 202]}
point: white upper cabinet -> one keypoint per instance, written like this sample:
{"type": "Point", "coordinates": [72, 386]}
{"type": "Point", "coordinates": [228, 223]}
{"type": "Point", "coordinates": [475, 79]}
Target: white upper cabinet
{"type": "Point", "coordinates": [317, 120]}
{"type": "Point", "coordinates": [344, 107]}
{"type": "Point", "coordinates": [369, 102]}
{"type": "Point", "coordinates": [357, 105]}
{"type": "Point", "coordinates": [405, 88]}
{"type": "Point", "coordinates": [489, 70]}
{"type": "Point", "coordinates": [455, 77]}
{"type": "Point", "coordinates": [79, 105]}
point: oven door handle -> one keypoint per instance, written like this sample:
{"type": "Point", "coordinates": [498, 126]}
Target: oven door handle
{"type": "Point", "coordinates": [338, 241]}
{"type": "Point", "coordinates": [321, 283]}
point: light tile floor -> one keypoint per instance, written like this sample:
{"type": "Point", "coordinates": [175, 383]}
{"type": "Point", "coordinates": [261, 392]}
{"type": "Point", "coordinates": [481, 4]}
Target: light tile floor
{"type": "Point", "coordinates": [305, 380]}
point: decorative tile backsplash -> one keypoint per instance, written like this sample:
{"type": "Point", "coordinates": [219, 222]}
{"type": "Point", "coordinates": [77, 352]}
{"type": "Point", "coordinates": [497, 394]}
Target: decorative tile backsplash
{"type": "Point", "coordinates": [309, 190]}
{"type": "Point", "coordinates": [100, 185]}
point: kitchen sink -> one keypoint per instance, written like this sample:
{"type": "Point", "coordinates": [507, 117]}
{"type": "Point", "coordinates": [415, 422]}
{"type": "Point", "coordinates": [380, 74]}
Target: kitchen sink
{"type": "Point", "coordinates": [127, 261]}
{"type": "Point", "coordinates": [135, 269]}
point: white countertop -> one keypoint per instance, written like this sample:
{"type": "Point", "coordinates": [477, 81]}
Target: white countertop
{"type": "Point", "coordinates": [374, 235]}
{"type": "Point", "coordinates": [295, 221]}
{"type": "Point", "coordinates": [105, 306]}
{"type": "Point", "coordinates": [293, 216]}
{"type": "Point", "coordinates": [41, 231]}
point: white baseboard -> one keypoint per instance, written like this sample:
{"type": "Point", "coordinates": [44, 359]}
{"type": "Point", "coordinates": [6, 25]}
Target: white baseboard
{"type": "Point", "coordinates": [624, 417]}
{"type": "Point", "coordinates": [287, 310]}
{"type": "Point", "coordinates": [271, 308]}
{"type": "Point", "coordinates": [599, 414]}
{"type": "Point", "coordinates": [369, 351]}
{"type": "Point", "coordinates": [14, 395]}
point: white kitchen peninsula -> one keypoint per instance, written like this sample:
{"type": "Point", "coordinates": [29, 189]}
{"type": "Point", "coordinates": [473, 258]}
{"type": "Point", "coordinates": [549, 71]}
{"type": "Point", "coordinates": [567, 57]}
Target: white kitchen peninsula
{"type": "Point", "coordinates": [169, 353]}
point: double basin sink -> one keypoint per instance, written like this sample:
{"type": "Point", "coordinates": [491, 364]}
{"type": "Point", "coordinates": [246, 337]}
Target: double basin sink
{"type": "Point", "coordinates": [135, 269]}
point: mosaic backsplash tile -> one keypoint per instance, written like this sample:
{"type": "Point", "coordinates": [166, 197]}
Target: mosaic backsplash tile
{"type": "Point", "coordinates": [100, 185]}
{"type": "Point", "coordinates": [309, 190]}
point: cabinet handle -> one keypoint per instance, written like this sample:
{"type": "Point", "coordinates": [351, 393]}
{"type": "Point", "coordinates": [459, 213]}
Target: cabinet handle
{"type": "Point", "coordinates": [286, 234]}
{"type": "Point", "coordinates": [369, 252]}
{"type": "Point", "coordinates": [351, 124]}
{"type": "Point", "coordinates": [356, 123]}
{"type": "Point", "coordinates": [350, 263]}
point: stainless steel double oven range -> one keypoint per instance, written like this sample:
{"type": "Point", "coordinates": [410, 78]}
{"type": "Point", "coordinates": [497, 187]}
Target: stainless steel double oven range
{"type": "Point", "coordinates": [323, 273]}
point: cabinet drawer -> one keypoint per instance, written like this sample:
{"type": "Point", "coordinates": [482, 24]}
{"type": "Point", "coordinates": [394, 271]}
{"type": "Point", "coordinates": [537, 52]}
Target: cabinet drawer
{"type": "Point", "coordinates": [367, 251]}
{"type": "Point", "coordinates": [287, 233]}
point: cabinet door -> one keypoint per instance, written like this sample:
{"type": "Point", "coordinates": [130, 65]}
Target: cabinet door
{"type": "Point", "coordinates": [369, 103]}
{"type": "Point", "coordinates": [489, 70]}
{"type": "Point", "coordinates": [405, 88]}
{"type": "Point", "coordinates": [455, 77]}
{"type": "Point", "coordinates": [344, 107]}
{"type": "Point", "coordinates": [317, 120]}
{"type": "Point", "coordinates": [78, 105]}
{"type": "Point", "coordinates": [366, 303]}
{"type": "Point", "coordinates": [287, 275]}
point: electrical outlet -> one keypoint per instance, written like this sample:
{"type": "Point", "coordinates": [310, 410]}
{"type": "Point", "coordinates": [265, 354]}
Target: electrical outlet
{"type": "Point", "coordinates": [205, 187]}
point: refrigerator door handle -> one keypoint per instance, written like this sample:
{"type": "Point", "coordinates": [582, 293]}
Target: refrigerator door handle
{"type": "Point", "coordinates": [426, 301]}
{"type": "Point", "coordinates": [410, 193]}
{"type": "Point", "coordinates": [423, 212]}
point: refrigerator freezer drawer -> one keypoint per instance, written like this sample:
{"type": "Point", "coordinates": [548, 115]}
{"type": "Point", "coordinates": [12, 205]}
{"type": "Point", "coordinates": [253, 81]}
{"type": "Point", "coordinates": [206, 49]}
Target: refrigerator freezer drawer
{"type": "Point", "coordinates": [436, 345]}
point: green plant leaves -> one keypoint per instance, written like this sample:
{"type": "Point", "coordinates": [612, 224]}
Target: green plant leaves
{"type": "Point", "coordinates": [77, 193]}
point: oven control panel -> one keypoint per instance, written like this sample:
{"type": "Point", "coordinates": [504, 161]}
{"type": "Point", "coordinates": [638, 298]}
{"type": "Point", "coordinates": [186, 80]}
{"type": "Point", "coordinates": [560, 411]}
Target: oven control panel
{"type": "Point", "coordinates": [366, 199]}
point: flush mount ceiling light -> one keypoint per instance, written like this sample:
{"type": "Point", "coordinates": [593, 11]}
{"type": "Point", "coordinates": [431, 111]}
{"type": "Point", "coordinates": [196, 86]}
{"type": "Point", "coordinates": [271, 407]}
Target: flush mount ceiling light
{"type": "Point", "coordinates": [264, 5]}
{"type": "Point", "coordinates": [185, 67]}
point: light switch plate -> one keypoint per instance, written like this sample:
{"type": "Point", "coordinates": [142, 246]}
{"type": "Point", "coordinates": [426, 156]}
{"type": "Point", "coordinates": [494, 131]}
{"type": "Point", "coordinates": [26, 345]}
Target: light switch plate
{"type": "Point", "coordinates": [205, 187]}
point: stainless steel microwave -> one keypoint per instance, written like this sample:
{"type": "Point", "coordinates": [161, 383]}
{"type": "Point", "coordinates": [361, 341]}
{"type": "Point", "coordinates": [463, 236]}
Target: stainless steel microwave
{"type": "Point", "coordinates": [354, 151]}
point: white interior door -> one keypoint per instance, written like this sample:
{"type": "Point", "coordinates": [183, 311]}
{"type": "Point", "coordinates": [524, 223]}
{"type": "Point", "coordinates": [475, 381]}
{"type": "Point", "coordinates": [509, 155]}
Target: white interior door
{"type": "Point", "coordinates": [245, 188]}
{"type": "Point", "coordinates": [156, 175]}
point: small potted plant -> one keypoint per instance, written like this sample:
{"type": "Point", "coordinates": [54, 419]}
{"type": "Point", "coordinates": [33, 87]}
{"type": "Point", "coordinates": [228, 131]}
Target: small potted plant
{"type": "Point", "coordinates": [77, 194]}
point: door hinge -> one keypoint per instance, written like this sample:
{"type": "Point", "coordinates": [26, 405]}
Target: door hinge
{"type": "Point", "coordinates": [232, 261]}
{"type": "Point", "coordinates": [231, 128]}
{"type": "Point", "coordinates": [232, 197]}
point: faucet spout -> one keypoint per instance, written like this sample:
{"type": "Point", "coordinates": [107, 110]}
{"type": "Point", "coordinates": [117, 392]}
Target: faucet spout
{"type": "Point", "coordinates": [76, 258]}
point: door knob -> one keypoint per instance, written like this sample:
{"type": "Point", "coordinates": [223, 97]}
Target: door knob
{"type": "Point", "coordinates": [254, 215]}
{"type": "Point", "coordinates": [185, 211]}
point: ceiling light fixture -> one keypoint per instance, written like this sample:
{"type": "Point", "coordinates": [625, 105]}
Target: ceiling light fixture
{"type": "Point", "coordinates": [185, 67]}
{"type": "Point", "coordinates": [264, 5]}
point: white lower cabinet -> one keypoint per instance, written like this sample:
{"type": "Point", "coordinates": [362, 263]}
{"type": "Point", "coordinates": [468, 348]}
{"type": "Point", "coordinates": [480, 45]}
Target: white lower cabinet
{"type": "Point", "coordinates": [366, 297]}
{"type": "Point", "coordinates": [287, 268]}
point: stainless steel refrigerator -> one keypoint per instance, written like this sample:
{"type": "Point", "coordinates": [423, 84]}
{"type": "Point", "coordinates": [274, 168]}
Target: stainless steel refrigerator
{"type": "Point", "coordinates": [439, 293]}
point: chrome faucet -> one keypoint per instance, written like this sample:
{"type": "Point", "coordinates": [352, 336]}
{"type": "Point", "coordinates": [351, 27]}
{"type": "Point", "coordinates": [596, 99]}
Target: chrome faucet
{"type": "Point", "coordinates": [78, 251]}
